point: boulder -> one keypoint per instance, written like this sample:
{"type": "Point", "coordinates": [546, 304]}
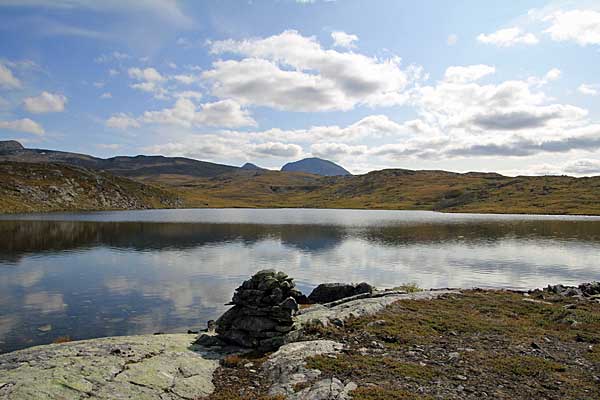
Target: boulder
{"type": "Point", "coordinates": [328, 292]}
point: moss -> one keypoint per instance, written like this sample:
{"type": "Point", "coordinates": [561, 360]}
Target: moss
{"type": "Point", "coordinates": [378, 393]}
{"type": "Point", "coordinates": [525, 366]}
{"type": "Point", "coordinates": [358, 366]}
{"type": "Point", "coordinates": [410, 287]}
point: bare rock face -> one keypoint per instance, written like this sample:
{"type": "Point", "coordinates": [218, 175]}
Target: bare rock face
{"type": "Point", "coordinates": [263, 312]}
{"type": "Point", "coordinates": [328, 292]}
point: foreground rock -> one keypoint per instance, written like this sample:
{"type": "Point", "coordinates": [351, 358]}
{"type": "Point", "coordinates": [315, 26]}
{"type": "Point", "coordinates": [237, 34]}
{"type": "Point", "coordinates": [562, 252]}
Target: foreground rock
{"type": "Point", "coordinates": [262, 313]}
{"type": "Point", "coordinates": [287, 369]}
{"type": "Point", "coordinates": [161, 367]}
{"type": "Point", "coordinates": [328, 292]}
{"type": "Point", "coordinates": [589, 290]}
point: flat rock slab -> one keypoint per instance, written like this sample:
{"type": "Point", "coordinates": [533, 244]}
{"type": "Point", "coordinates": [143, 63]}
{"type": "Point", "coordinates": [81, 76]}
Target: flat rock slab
{"type": "Point", "coordinates": [161, 367]}
{"type": "Point", "coordinates": [361, 307]}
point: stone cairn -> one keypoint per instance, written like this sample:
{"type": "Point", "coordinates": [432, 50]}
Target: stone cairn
{"type": "Point", "coordinates": [262, 314]}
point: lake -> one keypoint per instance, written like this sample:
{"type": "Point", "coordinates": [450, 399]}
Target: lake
{"type": "Point", "coordinates": [86, 275]}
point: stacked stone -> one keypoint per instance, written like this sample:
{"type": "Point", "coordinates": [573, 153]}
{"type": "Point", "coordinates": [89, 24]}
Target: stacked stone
{"type": "Point", "coordinates": [262, 313]}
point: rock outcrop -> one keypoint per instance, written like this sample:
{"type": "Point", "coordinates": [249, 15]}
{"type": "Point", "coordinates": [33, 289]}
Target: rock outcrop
{"type": "Point", "coordinates": [591, 289]}
{"type": "Point", "coordinates": [146, 367]}
{"type": "Point", "coordinates": [328, 292]}
{"type": "Point", "coordinates": [262, 313]}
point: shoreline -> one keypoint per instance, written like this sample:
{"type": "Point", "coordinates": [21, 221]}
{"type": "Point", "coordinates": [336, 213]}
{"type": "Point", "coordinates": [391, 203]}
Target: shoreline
{"type": "Point", "coordinates": [7, 214]}
{"type": "Point", "coordinates": [350, 331]}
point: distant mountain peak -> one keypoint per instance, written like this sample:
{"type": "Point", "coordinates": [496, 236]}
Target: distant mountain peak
{"type": "Point", "coordinates": [317, 166]}
{"type": "Point", "coordinates": [251, 167]}
{"type": "Point", "coordinates": [10, 145]}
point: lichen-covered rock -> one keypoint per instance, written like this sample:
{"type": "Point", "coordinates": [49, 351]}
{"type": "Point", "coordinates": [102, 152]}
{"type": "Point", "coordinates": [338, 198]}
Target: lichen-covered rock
{"type": "Point", "coordinates": [152, 367]}
{"type": "Point", "coordinates": [287, 369]}
{"type": "Point", "coordinates": [328, 292]}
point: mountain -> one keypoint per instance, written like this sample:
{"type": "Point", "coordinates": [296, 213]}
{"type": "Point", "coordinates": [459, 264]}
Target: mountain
{"type": "Point", "coordinates": [315, 166]}
{"type": "Point", "coordinates": [137, 166]}
{"type": "Point", "coordinates": [252, 167]}
{"type": "Point", "coordinates": [33, 187]}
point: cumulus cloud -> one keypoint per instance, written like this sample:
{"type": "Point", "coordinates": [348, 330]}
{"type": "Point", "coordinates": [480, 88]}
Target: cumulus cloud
{"type": "Point", "coordinates": [45, 103]}
{"type": "Point", "coordinates": [22, 125]}
{"type": "Point", "coordinates": [7, 79]}
{"type": "Point", "coordinates": [589, 90]}
{"type": "Point", "coordinates": [343, 39]}
{"type": "Point", "coordinates": [508, 37]}
{"type": "Point", "coordinates": [293, 72]}
{"type": "Point", "coordinates": [579, 26]}
{"type": "Point", "coordinates": [470, 73]}
{"type": "Point", "coordinates": [146, 74]}
{"type": "Point", "coordinates": [276, 149]}
{"type": "Point", "coordinates": [336, 151]}
{"type": "Point", "coordinates": [106, 95]}
{"type": "Point", "coordinates": [122, 121]}
{"type": "Point", "coordinates": [224, 113]}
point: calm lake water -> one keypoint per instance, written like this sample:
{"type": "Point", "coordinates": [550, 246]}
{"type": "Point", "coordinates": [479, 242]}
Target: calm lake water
{"type": "Point", "coordinates": [87, 275]}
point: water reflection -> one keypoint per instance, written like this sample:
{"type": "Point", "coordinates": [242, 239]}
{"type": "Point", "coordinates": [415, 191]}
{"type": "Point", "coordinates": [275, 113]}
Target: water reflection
{"type": "Point", "coordinates": [88, 278]}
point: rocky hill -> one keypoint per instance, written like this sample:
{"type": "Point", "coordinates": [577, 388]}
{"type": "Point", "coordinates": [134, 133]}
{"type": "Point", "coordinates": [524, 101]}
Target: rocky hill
{"type": "Point", "coordinates": [316, 166]}
{"type": "Point", "coordinates": [32, 187]}
{"type": "Point", "coordinates": [136, 166]}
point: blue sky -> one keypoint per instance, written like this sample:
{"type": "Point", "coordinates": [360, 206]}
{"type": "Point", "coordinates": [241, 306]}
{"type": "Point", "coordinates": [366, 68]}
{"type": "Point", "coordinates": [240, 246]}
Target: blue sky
{"type": "Point", "coordinates": [462, 86]}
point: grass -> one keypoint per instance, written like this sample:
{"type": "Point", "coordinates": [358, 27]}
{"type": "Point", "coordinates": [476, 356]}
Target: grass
{"type": "Point", "coordinates": [378, 393]}
{"type": "Point", "coordinates": [392, 189]}
{"type": "Point", "coordinates": [504, 345]}
{"type": "Point", "coordinates": [385, 189]}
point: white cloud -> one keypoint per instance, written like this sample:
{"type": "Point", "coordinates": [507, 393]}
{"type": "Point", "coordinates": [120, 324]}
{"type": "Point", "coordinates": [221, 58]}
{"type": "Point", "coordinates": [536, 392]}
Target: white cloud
{"type": "Point", "coordinates": [580, 26]}
{"type": "Point", "coordinates": [553, 74]}
{"type": "Point", "coordinates": [292, 72]}
{"type": "Point", "coordinates": [113, 72]}
{"type": "Point", "coordinates": [589, 90]}
{"type": "Point", "coordinates": [277, 149]}
{"type": "Point", "coordinates": [470, 73]}
{"type": "Point", "coordinates": [452, 39]}
{"type": "Point", "coordinates": [582, 167]}
{"type": "Point", "coordinates": [225, 113]}
{"type": "Point", "coordinates": [508, 37]}
{"type": "Point", "coordinates": [146, 74]}
{"type": "Point", "coordinates": [185, 79]}
{"type": "Point", "coordinates": [7, 79]}
{"type": "Point", "coordinates": [337, 151]}
{"type": "Point", "coordinates": [106, 95]}
{"type": "Point", "coordinates": [45, 103]}
{"type": "Point", "coordinates": [122, 121]}
{"type": "Point", "coordinates": [343, 39]}
{"type": "Point", "coordinates": [188, 94]}
{"type": "Point", "coordinates": [23, 125]}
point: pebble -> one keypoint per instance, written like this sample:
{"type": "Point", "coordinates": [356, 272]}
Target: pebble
{"type": "Point", "coordinates": [461, 377]}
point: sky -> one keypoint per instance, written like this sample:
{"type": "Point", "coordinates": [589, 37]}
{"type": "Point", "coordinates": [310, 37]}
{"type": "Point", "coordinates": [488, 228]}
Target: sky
{"type": "Point", "coordinates": [508, 87]}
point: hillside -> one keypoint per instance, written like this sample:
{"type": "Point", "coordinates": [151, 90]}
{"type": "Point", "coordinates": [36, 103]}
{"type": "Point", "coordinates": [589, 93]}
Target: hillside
{"type": "Point", "coordinates": [316, 166]}
{"type": "Point", "coordinates": [136, 166]}
{"type": "Point", "coordinates": [204, 184]}
{"type": "Point", "coordinates": [31, 187]}
{"type": "Point", "coordinates": [395, 189]}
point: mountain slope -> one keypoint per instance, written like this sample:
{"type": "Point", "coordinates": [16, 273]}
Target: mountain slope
{"type": "Point", "coordinates": [32, 187]}
{"type": "Point", "coordinates": [316, 166]}
{"type": "Point", "coordinates": [400, 190]}
{"type": "Point", "coordinates": [137, 166]}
